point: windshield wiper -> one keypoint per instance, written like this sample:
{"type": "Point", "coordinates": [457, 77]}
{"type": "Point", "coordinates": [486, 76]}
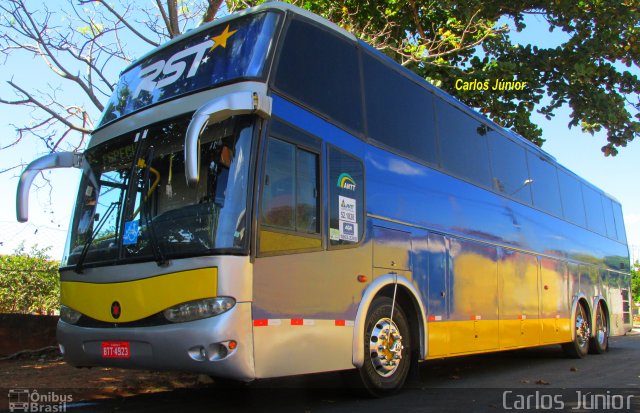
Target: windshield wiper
{"type": "Point", "coordinates": [87, 245]}
{"type": "Point", "coordinates": [158, 256]}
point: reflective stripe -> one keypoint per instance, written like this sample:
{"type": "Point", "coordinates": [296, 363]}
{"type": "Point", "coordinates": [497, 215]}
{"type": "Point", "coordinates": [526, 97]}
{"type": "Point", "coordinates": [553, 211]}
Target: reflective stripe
{"type": "Point", "coordinates": [299, 322]}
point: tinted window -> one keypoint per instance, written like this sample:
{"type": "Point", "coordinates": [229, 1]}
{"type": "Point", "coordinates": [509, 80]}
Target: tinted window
{"type": "Point", "coordinates": [572, 203]}
{"type": "Point", "coordinates": [617, 214]}
{"type": "Point", "coordinates": [278, 197]}
{"type": "Point", "coordinates": [346, 199]}
{"type": "Point", "coordinates": [399, 111]}
{"type": "Point", "coordinates": [290, 199]}
{"type": "Point", "coordinates": [321, 70]}
{"type": "Point", "coordinates": [609, 220]}
{"type": "Point", "coordinates": [544, 186]}
{"type": "Point", "coordinates": [509, 166]}
{"type": "Point", "coordinates": [195, 63]}
{"type": "Point", "coordinates": [593, 207]}
{"type": "Point", "coordinates": [464, 151]}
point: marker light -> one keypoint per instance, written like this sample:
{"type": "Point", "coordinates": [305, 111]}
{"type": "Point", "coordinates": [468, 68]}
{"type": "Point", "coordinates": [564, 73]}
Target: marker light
{"type": "Point", "coordinates": [69, 315]}
{"type": "Point", "coordinates": [198, 309]}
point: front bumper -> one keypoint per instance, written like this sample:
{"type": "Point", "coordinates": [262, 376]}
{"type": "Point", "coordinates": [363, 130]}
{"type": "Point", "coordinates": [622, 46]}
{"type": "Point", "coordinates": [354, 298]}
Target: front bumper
{"type": "Point", "coordinates": [169, 347]}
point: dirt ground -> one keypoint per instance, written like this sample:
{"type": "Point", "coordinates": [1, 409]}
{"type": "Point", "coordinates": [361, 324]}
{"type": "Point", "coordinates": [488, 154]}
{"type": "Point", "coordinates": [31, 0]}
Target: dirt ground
{"type": "Point", "coordinates": [46, 370]}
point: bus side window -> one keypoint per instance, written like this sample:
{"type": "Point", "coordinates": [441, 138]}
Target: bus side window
{"type": "Point", "coordinates": [346, 199]}
{"type": "Point", "coordinates": [290, 207]}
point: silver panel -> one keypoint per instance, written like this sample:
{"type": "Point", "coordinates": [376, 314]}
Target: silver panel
{"type": "Point", "coordinates": [285, 349]}
{"type": "Point", "coordinates": [319, 286]}
{"type": "Point", "coordinates": [166, 347]}
{"type": "Point", "coordinates": [170, 109]}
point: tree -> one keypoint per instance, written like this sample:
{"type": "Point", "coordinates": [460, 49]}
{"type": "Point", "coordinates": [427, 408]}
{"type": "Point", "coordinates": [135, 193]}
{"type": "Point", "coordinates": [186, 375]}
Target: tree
{"type": "Point", "coordinates": [442, 41]}
{"type": "Point", "coordinates": [448, 40]}
{"type": "Point", "coordinates": [29, 282]}
{"type": "Point", "coordinates": [84, 44]}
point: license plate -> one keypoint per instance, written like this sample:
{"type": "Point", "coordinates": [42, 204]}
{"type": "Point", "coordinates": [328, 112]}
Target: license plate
{"type": "Point", "coordinates": [116, 350]}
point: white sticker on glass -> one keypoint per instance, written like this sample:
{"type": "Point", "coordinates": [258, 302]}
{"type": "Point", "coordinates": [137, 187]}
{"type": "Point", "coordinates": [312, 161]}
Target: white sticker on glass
{"type": "Point", "coordinates": [346, 209]}
{"type": "Point", "coordinates": [348, 231]}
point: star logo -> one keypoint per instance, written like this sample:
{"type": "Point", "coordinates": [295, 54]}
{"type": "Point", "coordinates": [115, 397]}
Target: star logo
{"type": "Point", "coordinates": [221, 39]}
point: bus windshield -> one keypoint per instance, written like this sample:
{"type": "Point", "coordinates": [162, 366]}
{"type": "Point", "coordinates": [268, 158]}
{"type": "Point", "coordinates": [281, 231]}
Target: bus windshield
{"type": "Point", "coordinates": [234, 50]}
{"type": "Point", "coordinates": [144, 210]}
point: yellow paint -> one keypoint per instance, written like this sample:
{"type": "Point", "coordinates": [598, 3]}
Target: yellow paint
{"type": "Point", "coordinates": [455, 338]}
{"type": "Point", "coordinates": [271, 241]}
{"type": "Point", "coordinates": [475, 286]}
{"type": "Point", "coordinates": [438, 339]}
{"type": "Point", "coordinates": [556, 330]}
{"type": "Point", "coordinates": [140, 298]}
{"type": "Point", "coordinates": [520, 333]}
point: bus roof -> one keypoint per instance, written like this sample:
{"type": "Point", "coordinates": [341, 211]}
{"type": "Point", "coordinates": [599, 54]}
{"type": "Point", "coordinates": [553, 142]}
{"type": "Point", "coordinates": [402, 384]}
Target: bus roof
{"type": "Point", "coordinates": [286, 7]}
{"type": "Point", "coordinates": [272, 5]}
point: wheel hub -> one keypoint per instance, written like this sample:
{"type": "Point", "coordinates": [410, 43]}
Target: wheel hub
{"type": "Point", "coordinates": [385, 347]}
{"type": "Point", "coordinates": [582, 330]}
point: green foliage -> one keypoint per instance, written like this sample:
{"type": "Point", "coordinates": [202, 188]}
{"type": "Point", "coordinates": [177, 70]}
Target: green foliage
{"type": "Point", "coordinates": [635, 282]}
{"type": "Point", "coordinates": [448, 40]}
{"type": "Point", "coordinates": [29, 282]}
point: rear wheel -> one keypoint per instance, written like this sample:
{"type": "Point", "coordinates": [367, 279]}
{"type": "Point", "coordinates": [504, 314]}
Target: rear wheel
{"type": "Point", "coordinates": [579, 347]}
{"type": "Point", "coordinates": [600, 342]}
{"type": "Point", "coordinates": [387, 348]}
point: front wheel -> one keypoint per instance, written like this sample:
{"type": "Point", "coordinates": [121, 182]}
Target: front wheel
{"type": "Point", "coordinates": [387, 348]}
{"type": "Point", "coordinates": [579, 347]}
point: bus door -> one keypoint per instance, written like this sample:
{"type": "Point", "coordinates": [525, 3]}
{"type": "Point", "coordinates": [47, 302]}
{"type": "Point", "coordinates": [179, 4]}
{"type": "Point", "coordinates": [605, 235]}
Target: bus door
{"type": "Point", "coordinates": [305, 288]}
{"type": "Point", "coordinates": [438, 293]}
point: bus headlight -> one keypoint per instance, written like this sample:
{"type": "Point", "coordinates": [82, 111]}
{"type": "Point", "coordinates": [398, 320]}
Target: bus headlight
{"type": "Point", "coordinates": [69, 315]}
{"type": "Point", "coordinates": [195, 310]}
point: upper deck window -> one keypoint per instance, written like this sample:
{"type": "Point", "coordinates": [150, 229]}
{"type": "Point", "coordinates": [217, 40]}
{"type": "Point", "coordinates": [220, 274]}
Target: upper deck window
{"type": "Point", "coordinates": [321, 70]}
{"type": "Point", "coordinates": [509, 166]}
{"type": "Point", "coordinates": [237, 49]}
{"type": "Point", "coordinates": [594, 210]}
{"type": "Point", "coordinates": [545, 188]}
{"type": "Point", "coordinates": [572, 202]}
{"type": "Point", "coordinates": [399, 112]}
{"type": "Point", "coordinates": [463, 148]}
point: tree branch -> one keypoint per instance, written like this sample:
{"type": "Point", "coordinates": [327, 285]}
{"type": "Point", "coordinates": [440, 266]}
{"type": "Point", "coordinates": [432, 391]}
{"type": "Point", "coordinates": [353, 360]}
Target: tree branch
{"type": "Point", "coordinates": [122, 20]}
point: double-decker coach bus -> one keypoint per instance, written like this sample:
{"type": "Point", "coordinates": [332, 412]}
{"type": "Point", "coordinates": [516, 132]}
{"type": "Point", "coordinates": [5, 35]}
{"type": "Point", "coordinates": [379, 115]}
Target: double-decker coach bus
{"type": "Point", "coordinates": [269, 196]}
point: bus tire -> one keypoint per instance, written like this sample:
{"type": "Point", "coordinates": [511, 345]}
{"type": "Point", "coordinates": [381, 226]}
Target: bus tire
{"type": "Point", "coordinates": [579, 347]}
{"type": "Point", "coordinates": [387, 348]}
{"type": "Point", "coordinates": [600, 340]}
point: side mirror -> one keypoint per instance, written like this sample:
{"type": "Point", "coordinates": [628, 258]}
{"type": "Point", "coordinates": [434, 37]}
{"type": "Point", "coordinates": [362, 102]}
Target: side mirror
{"type": "Point", "coordinates": [51, 161]}
{"type": "Point", "coordinates": [217, 110]}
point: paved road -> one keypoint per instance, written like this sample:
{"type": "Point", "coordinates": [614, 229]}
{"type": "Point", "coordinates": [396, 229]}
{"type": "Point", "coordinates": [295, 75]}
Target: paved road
{"type": "Point", "coordinates": [534, 379]}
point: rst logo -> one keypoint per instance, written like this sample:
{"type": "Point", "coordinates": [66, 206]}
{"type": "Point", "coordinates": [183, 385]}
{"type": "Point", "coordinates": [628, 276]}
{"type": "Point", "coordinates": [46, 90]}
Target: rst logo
{"type": "Point", "coordinates": [165, 72]}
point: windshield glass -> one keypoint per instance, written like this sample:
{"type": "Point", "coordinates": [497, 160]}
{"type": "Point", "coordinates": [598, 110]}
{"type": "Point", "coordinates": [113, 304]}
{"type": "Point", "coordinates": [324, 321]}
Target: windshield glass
{"type": "Point", "coordinates": [155, 215]}
{"type": "Point", "coordinates": [234, 50]}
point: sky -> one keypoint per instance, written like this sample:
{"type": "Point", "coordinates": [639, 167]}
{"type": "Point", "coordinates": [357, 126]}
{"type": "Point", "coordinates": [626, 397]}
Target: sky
{"type": "Point", "coordinates": [50, 208]}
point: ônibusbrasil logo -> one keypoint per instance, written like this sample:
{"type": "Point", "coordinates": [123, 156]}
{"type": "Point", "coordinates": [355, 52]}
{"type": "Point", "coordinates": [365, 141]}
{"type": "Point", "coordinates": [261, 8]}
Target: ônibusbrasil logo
{"type": "Point", "coordinates": [345, 181]}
